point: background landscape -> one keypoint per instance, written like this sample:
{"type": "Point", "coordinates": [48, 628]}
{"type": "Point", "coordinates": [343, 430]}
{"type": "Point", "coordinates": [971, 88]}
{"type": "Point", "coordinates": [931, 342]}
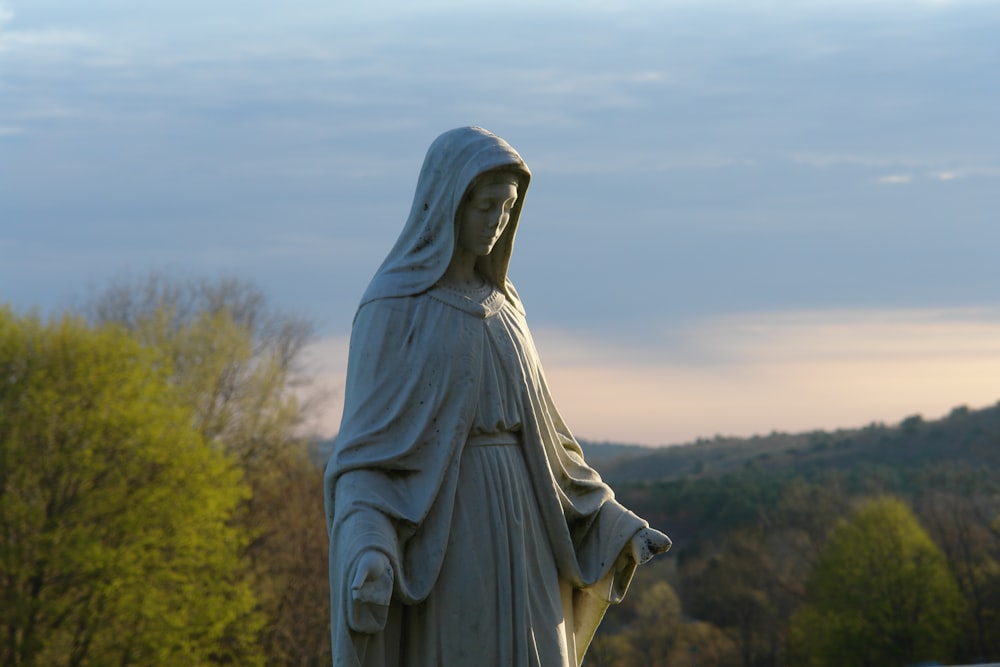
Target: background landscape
{"type": "Point", "coordinates": [762, 233]}
{"type": "Point", "coordinates": [159, 505]}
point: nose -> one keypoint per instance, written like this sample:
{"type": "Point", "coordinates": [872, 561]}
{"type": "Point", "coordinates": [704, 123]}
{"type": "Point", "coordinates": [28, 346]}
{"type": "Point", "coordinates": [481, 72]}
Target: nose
{"type": "Point", "coordinates": [496, 218]}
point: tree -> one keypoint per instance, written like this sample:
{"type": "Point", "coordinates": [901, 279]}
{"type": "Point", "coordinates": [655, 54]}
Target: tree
{"type": "Point", "coordinates": [658, 623]}
{"type": "Point", "coordinates": [961, 526]}
{"type": "Point", "coordinates": [702, 644]}
{"type": "Point", "coordinates": [117, 545]}
{"type": "Point", "coordinates": [880, 594]}
{"type": "Point", "coordinates": [736, 590]}
{"type": "Point", "coordinates": [290, 559]}
{"type": "Point", "coordinates": [650, 636]}
{"type": "Point", "coordinates": [236, 361]}
{"type": "Point", "coordinates": [657, 634]}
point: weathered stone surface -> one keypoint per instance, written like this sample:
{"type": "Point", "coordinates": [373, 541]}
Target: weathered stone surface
{"type": "Point", "coordinates": [465, 526]}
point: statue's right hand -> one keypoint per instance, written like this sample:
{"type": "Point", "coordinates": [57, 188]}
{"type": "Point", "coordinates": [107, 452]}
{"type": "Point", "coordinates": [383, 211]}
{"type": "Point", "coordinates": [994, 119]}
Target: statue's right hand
{"type": "Point", "coordinates": [371, 590]}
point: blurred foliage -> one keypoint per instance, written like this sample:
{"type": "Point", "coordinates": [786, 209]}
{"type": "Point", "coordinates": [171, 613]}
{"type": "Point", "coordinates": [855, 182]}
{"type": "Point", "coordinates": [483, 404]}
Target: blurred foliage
{"type": "Point", "coordinates": [233, 358]}
{"type": "Point", "coordinates": [881, 593]}
{"type": "Point", "coordinates": [753, 519]}
{"type": "Point", "coordinates": [236, 361]}
{"type": "Point", "coordinates": [117, 545]}
{"type": "Point", "coordinates": [109, 516]}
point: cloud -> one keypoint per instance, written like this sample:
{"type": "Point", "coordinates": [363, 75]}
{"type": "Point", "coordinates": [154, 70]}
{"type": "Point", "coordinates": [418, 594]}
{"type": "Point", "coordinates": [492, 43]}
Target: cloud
{"type": "Point", "coordinates": [754, 373]}
{"type": "Point", "coordinates": [894, 179]}
{"type": "Point", "coordinates": [956, 173]}
{"type": "Point", "coordinates": [568, 161]}
{"type": "Point", "coordinates": [47, 41]}
{"type": "Point", "coordinates": [945, 175]}
{"type": "Point", "coordinates": [822, 160]}
{"type": "Point", "coordinates": [939, 168]}
{"type": "Point", "coordinates": [557, 82]}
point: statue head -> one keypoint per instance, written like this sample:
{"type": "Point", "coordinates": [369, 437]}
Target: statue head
{"type": "Point", "coordinates": [457, 163]}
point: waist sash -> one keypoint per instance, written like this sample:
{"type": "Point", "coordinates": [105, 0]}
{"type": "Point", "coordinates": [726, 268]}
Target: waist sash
{"type": "Point", "coordinates": [503, 439]}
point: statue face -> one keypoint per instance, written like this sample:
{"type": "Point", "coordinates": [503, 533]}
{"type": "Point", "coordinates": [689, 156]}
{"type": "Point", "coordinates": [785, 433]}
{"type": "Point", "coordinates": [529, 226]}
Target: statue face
{"type": "Point", "coordinates": [484, 217]}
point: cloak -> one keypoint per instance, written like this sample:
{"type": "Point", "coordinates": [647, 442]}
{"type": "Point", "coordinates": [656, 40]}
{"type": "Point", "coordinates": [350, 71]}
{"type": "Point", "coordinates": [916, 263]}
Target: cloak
{"type": "Point", "coordinates": [412, 387]}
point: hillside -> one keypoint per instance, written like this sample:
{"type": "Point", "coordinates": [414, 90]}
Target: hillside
{"type": "Point", "coordinates": [968, 439]}
{"type": "Point", "coordinates": [964, 440]}
{"type": "Point", "coordinates": [752, 518]}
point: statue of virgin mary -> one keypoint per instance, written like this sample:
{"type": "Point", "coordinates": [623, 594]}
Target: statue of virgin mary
{"type": "Point", "coordinates": [466, 529]}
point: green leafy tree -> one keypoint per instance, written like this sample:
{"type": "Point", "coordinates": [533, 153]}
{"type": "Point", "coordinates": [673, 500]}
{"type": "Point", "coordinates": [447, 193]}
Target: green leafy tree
{"type": "Point", "coordinates": [650, 635]}
{"type": "Point", "coordinates": [612, 649]}
{"type": "Point", "coordinates": [658, 635]}
{"type": "Point", "coordinates": [657, 624]}
{"type": "Point", "coordinates": [701, 644]}
{"type": "Point", "coordinates": [234, 359]}
{"type": "Point", "coordinates": [116, 540]}
{"type": "Point", "coordinates": [237, 362]}
{"type": "Point", "coordinates": [880, 595]}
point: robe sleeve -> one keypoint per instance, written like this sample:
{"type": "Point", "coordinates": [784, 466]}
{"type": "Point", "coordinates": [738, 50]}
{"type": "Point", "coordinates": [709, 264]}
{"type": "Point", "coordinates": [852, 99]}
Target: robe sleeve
{"type": "Point", "coordinates": [601, 535]}
{"type": "Point", "coordinates": [391, 479]}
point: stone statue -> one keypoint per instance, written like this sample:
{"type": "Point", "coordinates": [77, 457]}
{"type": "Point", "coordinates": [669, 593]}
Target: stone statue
{"type": "Point", "coordinates": [465, 527]}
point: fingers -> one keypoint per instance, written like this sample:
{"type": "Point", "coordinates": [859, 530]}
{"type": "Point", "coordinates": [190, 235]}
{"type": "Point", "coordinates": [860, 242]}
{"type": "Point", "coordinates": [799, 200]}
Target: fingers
{"type": "Point", "coordinates": [371, 566]}
{"type": "Point", "coordinates": [658, 542]}
{"type": "Point", "coordinates": [647, 543]}
{"type": "Point", "coordinates": [360, 576]}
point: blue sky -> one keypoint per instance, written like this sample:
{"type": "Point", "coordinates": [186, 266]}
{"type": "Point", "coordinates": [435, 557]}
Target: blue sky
{"type": "Point", "coordinates": [745, 216]}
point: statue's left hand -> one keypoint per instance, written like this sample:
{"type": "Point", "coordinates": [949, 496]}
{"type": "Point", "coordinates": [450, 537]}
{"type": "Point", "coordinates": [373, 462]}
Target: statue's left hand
{"type": "Point", "coordinates": [647, 543]}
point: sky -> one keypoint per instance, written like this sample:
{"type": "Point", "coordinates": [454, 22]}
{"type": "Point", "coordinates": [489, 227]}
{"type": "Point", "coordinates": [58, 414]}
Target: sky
{"type": "Point", "coordinates": [744, 216]}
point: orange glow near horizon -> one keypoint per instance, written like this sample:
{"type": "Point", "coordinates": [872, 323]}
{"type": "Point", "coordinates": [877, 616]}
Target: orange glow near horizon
{"type": "Point", "coordinates": [756, 373]}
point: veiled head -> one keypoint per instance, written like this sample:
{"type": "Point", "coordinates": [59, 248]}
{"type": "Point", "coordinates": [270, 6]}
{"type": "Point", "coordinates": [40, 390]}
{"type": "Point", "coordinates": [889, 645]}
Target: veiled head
{"type": "Point", "coordinates": [454, 163]}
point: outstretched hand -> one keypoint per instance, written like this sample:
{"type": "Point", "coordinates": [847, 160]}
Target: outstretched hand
{"type": "Point", "coordinates": [371, 590]}
{"type": "Point", "coordinates": [647, 543]}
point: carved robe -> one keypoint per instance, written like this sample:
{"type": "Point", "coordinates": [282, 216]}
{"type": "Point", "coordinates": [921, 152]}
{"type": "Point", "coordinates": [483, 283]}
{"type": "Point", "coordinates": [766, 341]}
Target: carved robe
{"type": "Point", "coordinates": [453, 461]}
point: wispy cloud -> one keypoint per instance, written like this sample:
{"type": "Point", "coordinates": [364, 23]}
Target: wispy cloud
{"type": "Point", "coordinates": [983, 171]}
{"type": "Point", "coordinates": [611, 87]}
{"type": "Point", "coordinates": [905, 168]}
{"type": "Point", "coordinates": [46, 41]}
{"type": "Point", "coordinates": [568, 161]}
{"type": "Point", "coordinates": [821, 160]}
{"type": "Point", "coordinates": [894, 179]}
